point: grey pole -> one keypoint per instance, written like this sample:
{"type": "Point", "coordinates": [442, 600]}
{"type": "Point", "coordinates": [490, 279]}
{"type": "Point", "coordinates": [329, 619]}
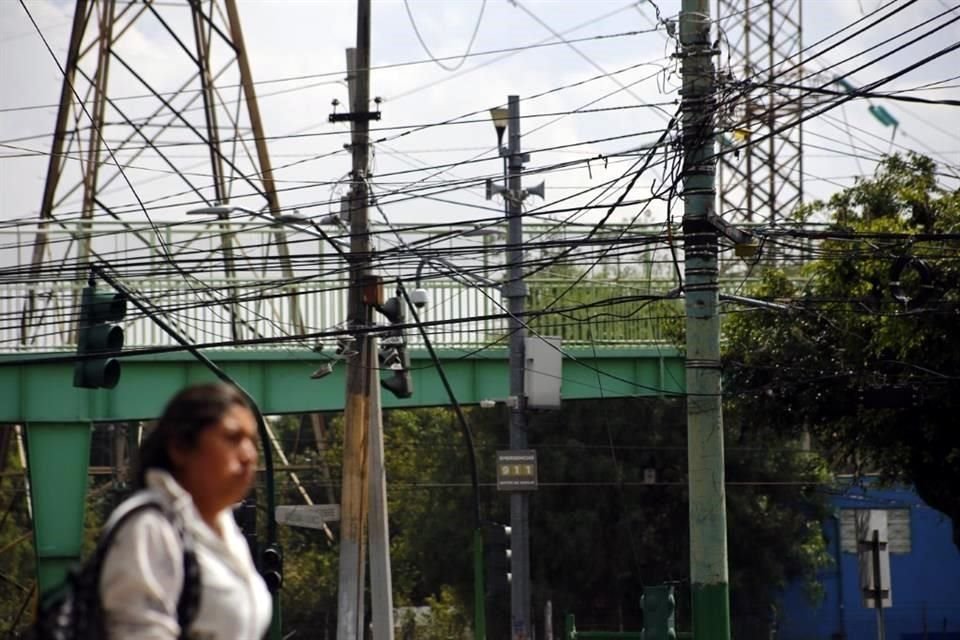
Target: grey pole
{"type": "Point", "coordinates": [381, 581]}
{"type": "Point", "coordinates": [708, 520]}
{"type": "Point", "coordinates": [516, 291]}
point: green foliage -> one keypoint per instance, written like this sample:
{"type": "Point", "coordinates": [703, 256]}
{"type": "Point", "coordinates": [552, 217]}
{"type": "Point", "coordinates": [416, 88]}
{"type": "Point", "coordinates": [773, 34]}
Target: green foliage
{"type": "Point", "coordinates": [862, 328]}
{"type": "Point", "coordinates": [310, 582]}
{"type": "Point", "coordinates": [431, 502]}
{"type": "Point", "coordinates": [444, 620]}
{"type": "Point", "coordinates": [598, 532]}
{"type": "Point", "coordinates": [605, 306]}
{"type": "Point", "coordinates": [17, 563]}
{"type": "Point", "coordinates": [431, 520]}
{"type": "Point", "coordinates": [609, 532]}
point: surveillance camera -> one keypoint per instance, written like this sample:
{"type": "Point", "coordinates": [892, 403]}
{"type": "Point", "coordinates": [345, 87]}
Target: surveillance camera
{"type": "Point", "coordinates": [419, 298]}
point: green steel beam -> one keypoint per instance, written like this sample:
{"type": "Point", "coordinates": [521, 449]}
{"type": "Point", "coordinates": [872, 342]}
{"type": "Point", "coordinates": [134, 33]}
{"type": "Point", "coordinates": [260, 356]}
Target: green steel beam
{"type": "Point", "coordinates": [58, 416]}
{"type": "Point", "coordinates": [34, 391]}
{"type": "Point", "coordinates": [57, 460]}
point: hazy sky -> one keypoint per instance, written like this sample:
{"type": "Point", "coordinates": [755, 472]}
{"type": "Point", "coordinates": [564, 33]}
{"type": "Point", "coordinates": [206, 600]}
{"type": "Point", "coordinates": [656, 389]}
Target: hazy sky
{"type": "Point", "coordinates": [611, 91]}
{"type": "Point", "coordinates": [296, 50]}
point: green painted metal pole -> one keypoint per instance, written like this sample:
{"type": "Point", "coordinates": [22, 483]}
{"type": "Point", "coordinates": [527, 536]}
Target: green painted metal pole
{"type": "Point", "coordinates": [479, 604]}
{"type": "Point", "coordinates": [58, 454]}
{"type": "Point", "coordinates": [276, 622]}
{"type": "Point", "coordinates": [708, 527]}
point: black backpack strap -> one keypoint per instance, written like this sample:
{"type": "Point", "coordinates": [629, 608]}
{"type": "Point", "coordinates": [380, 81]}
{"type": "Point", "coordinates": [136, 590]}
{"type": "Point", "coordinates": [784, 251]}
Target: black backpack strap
{"type": "Point", "coordinates": [188, 602]}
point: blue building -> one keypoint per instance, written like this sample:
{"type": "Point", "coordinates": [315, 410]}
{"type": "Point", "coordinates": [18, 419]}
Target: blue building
{"type": "Point", "coordinates": [924, 573]}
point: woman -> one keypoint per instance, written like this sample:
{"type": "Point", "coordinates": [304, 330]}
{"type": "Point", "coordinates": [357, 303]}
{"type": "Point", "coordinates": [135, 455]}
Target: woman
{"type": "Point", "coordinates": [199, 460]}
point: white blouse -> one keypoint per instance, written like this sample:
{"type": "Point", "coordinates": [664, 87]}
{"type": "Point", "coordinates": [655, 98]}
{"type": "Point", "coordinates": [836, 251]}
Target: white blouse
{"type": "Point", "coordinates": [142, 575]}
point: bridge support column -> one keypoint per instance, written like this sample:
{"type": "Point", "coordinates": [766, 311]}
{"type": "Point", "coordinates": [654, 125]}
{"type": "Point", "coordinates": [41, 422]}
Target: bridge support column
{"type": "Point", "coordinates": [58, 454]}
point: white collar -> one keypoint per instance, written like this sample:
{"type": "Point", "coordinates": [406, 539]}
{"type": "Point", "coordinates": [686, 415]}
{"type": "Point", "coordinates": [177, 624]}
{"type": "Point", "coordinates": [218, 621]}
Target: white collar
{"type": "Point", "coordinates": [181, 501]}
{"type": "Point", "coordinates": [163, 482]}
{"type": "Point", "coordinates": [232, 546]}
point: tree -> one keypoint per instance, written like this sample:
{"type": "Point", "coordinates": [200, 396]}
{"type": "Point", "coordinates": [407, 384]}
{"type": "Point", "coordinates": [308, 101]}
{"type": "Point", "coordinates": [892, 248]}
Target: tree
{"type": "Point", "coordinates": [613, 515]}
{"type": "Point", "coordinates": [17, 564]}
{"type": "Point", "coordinates": [599, 532]}
{"type": "Point", "coordinates": [867, 358]}
{"type": "Point", "coordinates": [605, 305]}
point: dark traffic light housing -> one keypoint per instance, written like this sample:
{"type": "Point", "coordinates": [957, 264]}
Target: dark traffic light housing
{"type": "Point", "coordinates": [658, 605]}
{"type": "Point", "coordinates": [271, 567]}
{"type": "Point", "coordinates": [496, 547]}
{"type": "Point", "coordinates": [245, 515]}
{"type": "Point", "coordinates": [98, 338]}
{"type": "Point", "coordinates": [393, 354]}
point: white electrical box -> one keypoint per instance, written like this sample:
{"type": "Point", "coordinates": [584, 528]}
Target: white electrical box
{"type": "Point", "coordinates": [543, 371]}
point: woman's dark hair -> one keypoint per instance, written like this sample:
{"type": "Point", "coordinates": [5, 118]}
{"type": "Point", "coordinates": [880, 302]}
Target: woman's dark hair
{"type": "Point", "coordinates": [188, 413]}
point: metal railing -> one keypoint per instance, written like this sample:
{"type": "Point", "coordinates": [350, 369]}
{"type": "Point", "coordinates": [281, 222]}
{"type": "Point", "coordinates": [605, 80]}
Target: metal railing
{"type": "Point", "coordinates": [252, 308]}
{"type": "Point", "coordinates": [459, 316]}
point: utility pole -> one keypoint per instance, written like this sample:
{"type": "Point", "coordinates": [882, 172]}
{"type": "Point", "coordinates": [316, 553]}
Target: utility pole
{"type": "Point", "coordinates": [708, 526]}
{"type": "Point", "coordinates": [381, 580]}
{"type": "Point", "coordinates": [355, 485]}
{"type": "Point", "coordinates": [515, 291]}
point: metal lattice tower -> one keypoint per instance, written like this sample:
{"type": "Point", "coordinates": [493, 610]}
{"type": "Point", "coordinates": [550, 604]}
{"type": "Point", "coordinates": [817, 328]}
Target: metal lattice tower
{"type": "Point", "coordinates": [165, 92]}
{"type": "Point", "coordinates": [764, 181]}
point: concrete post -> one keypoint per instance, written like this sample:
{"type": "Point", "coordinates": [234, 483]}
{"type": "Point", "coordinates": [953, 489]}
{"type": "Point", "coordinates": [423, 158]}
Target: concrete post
{"type": "Point", "coordinates": [381, 581]}
{"type": "Point", "coordinates": [708, 527]}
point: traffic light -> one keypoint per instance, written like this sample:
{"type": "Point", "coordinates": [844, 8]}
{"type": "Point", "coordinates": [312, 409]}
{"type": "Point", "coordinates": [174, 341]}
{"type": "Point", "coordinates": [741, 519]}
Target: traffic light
{"type": "Point", "coordinates": [393, 350]}
{"type": "Point", "coordinates": [97, 335]}
{"type": "Point", "coordinates": [245, 515]}
{"type": "Point", "coordinates": [496, 547]}
{"type": "Point", "coordinates": [271, 567]}
{"type": "Point", "coordinates": [658, 605]}
{"type": "Point", "coordinates": [400, 384]}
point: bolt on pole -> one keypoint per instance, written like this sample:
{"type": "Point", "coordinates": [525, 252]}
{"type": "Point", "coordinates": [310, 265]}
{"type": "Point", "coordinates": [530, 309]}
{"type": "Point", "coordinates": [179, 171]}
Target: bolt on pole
{"type": "Point", "coordinates": [708, 527]}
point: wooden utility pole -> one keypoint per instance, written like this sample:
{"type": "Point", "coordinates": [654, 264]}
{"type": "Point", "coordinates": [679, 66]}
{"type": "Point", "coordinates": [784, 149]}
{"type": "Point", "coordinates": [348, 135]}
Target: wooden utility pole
{"type": "Point", "coordinates": [355, 484]}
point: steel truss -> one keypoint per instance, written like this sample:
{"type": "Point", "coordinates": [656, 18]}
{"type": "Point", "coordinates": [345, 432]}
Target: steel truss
{"type": "Point", "coordinates": [761, 42]}
{"type": "Point", "coordinates": [119, 144]}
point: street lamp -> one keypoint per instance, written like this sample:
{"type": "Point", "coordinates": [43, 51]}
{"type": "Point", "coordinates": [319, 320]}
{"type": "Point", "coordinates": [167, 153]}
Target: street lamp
{"type": "Point", "coordinates": [500, 117]}
{"type": "Point", "coordinates": [288, 219]}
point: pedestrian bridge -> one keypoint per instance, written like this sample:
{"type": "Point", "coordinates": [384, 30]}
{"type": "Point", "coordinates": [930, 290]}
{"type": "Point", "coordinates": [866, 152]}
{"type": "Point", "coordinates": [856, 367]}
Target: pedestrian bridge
{"type": "Point", "coordinates": [270, 310]}
{"type": "Point", "coordinates": [270, 330]}
{"type": "Point", "coordinates": [271, 322]}
{"type": "Point", "coordinates": [39, 387]}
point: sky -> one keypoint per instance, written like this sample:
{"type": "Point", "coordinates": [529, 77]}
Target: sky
{"type": "Point", "coordinates": [294, 45]}
{"type": "Point", "coordinates": [609, 90]}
